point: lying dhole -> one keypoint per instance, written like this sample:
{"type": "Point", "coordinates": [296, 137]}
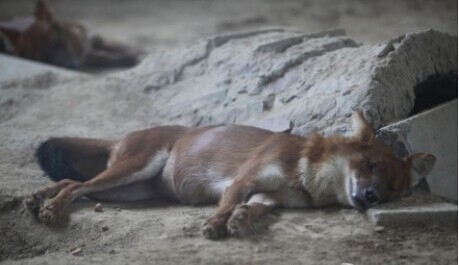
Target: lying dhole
{"type": "Point", "coordinates": [248, 171]}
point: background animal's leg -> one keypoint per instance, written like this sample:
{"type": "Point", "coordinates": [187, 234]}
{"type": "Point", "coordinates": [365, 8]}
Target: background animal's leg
{"type": "Point", "coordinates": [122, 172]}
{"type": "Point", "coordinates": [100, 43]}
{"type": "Point", "coordinates": [97, 58]}
{"type": "Point", "coordinates": [105, 53]}
{"type": "Point", "coordinates": [241, 221]}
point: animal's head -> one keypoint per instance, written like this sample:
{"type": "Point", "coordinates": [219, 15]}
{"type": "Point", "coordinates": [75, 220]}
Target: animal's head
{"type": "Point", "coordinates": [375, 174]}
{"type": "Point", "coordinates": [47, 39]}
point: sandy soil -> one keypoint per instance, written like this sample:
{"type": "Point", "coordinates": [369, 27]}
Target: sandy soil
{"type": "Point", "coordinates": [165, 233]}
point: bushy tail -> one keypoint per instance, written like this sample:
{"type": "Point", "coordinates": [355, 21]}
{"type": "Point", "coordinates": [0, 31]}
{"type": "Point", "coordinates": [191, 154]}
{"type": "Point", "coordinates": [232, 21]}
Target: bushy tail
{"type": "Point", "coordinates": [78, 159]}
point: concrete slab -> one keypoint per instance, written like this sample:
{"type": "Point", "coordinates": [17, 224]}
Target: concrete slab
{"type": "Point", "coordinates": [436, 213]}
{"type": "Point", "coordinates": [419, 208]}
{"type": "Point", "coordinates": [435, 132]}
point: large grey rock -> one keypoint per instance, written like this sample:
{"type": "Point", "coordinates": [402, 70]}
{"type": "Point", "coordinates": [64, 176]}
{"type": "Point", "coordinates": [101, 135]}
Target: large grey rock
{"type": "Point", "coordinates": [280, 77]}
{"type": "Point", "coordinates": [433, 131]}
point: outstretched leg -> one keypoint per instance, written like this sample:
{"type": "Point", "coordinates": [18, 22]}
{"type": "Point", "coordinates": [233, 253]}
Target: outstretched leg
{"type": "Point", "coordinates": [104, 53]}
{"type": "Point", "coordinates": [35, 201]}
{"type": "Point", "coordinates": [92, 166]}
{"type": "Point", "coordinates": [68, 161]}
{"type": "Point", "coordinates": [121, 172]}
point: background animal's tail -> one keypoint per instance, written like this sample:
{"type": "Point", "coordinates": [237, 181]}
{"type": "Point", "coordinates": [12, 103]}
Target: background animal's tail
{"type": "Point", "coordinates": [78, 159]}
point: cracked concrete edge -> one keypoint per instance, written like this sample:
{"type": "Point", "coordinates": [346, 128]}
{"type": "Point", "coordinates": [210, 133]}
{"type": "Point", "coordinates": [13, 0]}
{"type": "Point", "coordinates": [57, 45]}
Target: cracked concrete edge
{"type": "Point", "coordinates": [440, 213]}
{"type": "Point", "coordinates": [419, 208]}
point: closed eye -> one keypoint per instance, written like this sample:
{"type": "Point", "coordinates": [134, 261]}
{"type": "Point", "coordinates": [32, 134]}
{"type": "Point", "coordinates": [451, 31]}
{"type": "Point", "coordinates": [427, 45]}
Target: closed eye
{"type": "Point", "coordinates": [370, 165]}
{"type": "Point", "coordinates": [394, 189]}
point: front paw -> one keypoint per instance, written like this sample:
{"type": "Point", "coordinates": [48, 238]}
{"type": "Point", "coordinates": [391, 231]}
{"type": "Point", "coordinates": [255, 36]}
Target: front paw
{"type": "Point", "coordinates": [33, 202]}
{"type": "Point", "coordinates": [240, 222]}
{"type": "Point", "coordinates": [214, 228]}
{"type": "Point", "coordinates": [49, 213]}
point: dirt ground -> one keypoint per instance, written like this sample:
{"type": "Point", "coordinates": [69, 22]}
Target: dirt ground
{"type": "Point", "coordinates": [165, 233]}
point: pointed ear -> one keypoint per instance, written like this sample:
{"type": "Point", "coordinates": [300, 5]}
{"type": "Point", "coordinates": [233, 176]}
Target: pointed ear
{"type": "Point", "coordinates": [420, 165]}
{"type": "Point", "coordinates": [13, 36]}
{"type": "Point", "coordinates": [362, 129]}
{"type": "Point", "coordinates": [42, 12]}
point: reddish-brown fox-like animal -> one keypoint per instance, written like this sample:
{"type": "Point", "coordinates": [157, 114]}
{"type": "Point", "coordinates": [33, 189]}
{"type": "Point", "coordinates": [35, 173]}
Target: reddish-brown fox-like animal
{"type": "Point", "coordinates": [249, 171]}
{"type": "Point", "coordinates": [67, 44]}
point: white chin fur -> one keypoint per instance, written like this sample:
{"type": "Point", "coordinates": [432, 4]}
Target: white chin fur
{"type": "Point", "coordinates": [349, 187]}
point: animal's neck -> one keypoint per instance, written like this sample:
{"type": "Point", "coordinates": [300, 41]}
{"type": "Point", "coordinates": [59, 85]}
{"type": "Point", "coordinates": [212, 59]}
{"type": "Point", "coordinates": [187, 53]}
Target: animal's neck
{"type": "Point", "coordinates": [323, 175]}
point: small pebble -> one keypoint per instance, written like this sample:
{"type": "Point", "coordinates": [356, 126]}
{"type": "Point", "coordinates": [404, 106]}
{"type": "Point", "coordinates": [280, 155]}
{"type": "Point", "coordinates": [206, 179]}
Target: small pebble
{"type": "Point", "coordinates": [118, 209]}
{"type": "Point", "coordinates": [379, 229]}
{"type": "Point", "coordinates": [76, 251]}
{"type": "Point", "coordinates": [98, 208]}
{"type": "Point", "coordinates": [104, 228]}
{"type": "Point", "coordinates": [112, 251]}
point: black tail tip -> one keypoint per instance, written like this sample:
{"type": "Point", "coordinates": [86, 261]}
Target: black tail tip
{"type": "Point", "coordinates": [51, 157]}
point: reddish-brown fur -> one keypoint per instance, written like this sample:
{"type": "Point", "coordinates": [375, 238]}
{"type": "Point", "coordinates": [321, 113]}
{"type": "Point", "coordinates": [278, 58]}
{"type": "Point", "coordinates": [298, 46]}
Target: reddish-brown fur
{"type": "Point", "coordinates": [249, 171]}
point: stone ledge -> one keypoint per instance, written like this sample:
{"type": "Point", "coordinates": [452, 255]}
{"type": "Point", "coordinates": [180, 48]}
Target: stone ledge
{"type": "Point", "coordinates": [435, 214]}
{"type": "Point", "coordinates": [421, 208]}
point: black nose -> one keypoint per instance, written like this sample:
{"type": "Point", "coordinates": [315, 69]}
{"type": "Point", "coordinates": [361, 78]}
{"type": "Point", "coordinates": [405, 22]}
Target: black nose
{"type": "Point", "coordinates": [371, 196]}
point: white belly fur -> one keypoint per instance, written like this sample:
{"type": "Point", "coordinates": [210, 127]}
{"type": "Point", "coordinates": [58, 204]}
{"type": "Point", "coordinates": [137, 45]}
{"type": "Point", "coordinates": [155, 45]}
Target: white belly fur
{"type": "Point", "coordinates": [200, 185]}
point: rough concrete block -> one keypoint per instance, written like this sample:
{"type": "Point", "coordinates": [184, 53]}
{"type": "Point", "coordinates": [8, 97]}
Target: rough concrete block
{"type": "Point", "coordinates": [435, 132]}
{"type": "Point", "coordinates": [436, 213]}
{"type": "Point", "coordinates": [419, 208]}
